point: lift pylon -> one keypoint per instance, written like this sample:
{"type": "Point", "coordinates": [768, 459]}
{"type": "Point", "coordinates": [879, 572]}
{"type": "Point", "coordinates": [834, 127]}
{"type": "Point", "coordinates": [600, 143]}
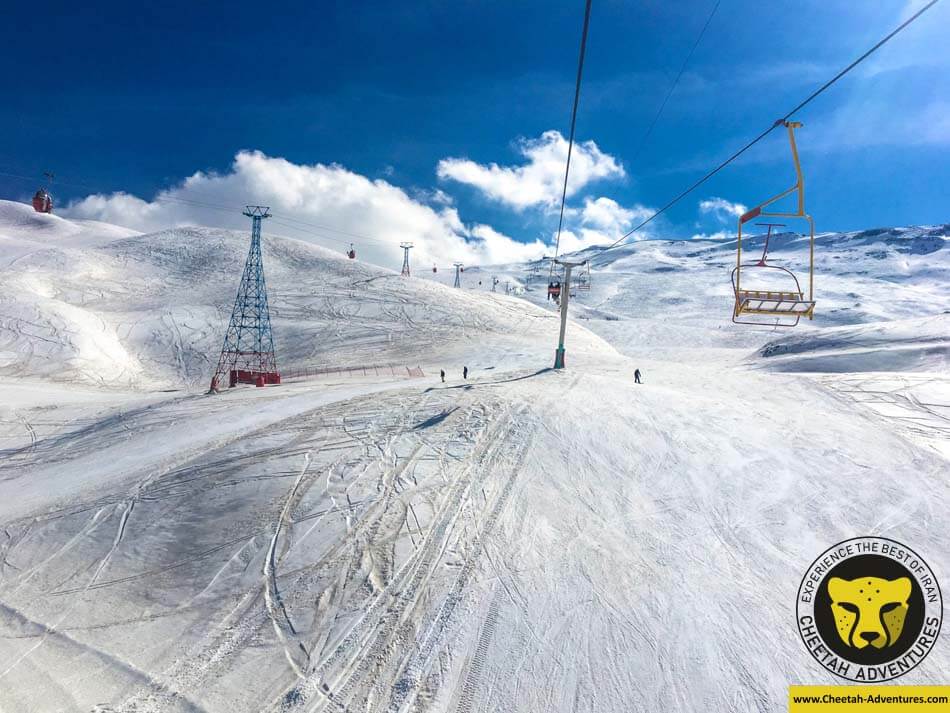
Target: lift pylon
{"type": "Point", "coordinates": [565, 298]}
{"type": "Point", "coordinates": [406, 247]}
{"type": "Point", "coordinates": [247, 356]}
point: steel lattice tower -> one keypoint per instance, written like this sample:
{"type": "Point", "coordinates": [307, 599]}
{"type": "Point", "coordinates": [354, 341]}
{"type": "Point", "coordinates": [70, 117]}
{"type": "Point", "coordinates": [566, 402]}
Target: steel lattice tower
{"type": "Point", "coordinates": [458, 268]}
{"type": "Point", "coordinates": [248, 352]}
{"type": "Point", "coordinates": [406, 247]}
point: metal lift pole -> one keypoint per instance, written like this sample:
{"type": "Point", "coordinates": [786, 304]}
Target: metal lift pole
{"type": "Point", "coordinates": [565, 297]}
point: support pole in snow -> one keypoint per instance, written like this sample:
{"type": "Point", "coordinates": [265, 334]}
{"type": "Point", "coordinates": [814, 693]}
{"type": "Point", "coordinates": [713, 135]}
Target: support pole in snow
{"type": "Point", "coordinates": [406, 247]}
{"type": "Point", "coordinates": [565, 298]}
{"type": "Point", "coordinates": [458, 269]}
{"type": "Point", "coordinates": [494, 282]}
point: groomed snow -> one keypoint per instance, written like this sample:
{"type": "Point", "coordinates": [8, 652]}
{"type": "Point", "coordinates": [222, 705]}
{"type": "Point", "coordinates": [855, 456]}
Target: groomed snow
{"type": "Point", "coordinates": [526, 540]}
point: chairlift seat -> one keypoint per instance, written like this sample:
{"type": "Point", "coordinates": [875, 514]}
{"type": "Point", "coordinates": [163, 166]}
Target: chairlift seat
{"type": "Point", "coordinates": [784, 307]}
{"type": "Point", "coordinates": [771, 302]}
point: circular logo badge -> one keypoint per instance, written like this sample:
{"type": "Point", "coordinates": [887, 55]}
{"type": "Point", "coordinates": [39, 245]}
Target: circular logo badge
{"type": "Point", "coordinates": [869, 609]}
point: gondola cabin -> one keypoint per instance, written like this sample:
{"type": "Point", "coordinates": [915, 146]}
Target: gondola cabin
{"type": "Point", "coordinates": [42, 201]}
{"type": "Point", "coordinates": [351, 253]}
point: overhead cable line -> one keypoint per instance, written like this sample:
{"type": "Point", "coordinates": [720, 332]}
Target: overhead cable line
{"type": "Point", "coordinates": [570, 142]}
{"type": "Point", "coordinates": [318, 226]}
{"type": "Point", "coordinates": [669, 93]}
{"type": "Point", "coordinates": [776, 124]}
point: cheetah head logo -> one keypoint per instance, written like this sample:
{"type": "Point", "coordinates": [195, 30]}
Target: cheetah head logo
{"type": "Point", "coordinates": [869, 610]}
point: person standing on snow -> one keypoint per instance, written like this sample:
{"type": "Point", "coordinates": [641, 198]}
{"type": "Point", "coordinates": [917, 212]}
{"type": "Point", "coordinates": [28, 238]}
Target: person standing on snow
{"type": "Point", "coordinates": [442, 374]}
{"type": "Point", "coordinates": [464, 372]}
{"type": "Point", "coordinates": [636, 376]}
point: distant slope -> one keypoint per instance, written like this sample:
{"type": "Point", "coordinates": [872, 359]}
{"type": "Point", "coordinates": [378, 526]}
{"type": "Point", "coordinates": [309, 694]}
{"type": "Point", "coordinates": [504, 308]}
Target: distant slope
{"type": "Point", "coordinates": [907, 345]}
{"type": "Point", "coordinates": [91, 303]}
{"type": "Point", "coordinates": [660, 298]}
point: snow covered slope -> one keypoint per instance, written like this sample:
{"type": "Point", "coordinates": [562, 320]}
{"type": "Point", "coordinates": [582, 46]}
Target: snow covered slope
{"type": "Point", "coordinates": [663, 298]}
{"type": "Point", "coordinates": [526, 540]}
{"type": "Point", "coordinates": [921, 344]}
{"type": "Point", "coordinates": [84, 302]}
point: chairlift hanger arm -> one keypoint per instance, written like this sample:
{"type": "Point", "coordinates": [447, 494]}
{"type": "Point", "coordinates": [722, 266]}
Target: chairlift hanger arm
{"type": "Point", "coordinates": [799, 185]}
{"type": "Point", "coordinates": [778, 304]}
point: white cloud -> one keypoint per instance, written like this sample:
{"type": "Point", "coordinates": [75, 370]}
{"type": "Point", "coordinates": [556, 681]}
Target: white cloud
{"type": "Point", "coordinates": [607, 214]}
{"type": "Point", "coordinates": [499, 248]}
{"type": "Point", "coordinates": [540, 181]}
{"type": "Point", "coordinates": [600, 222]}
{"type": "Point", "coordinates": [332, 200]}
{"type": "Point", "coordinates": [722, 209]}
{"type": "Point", "coordinates": [718, 235]}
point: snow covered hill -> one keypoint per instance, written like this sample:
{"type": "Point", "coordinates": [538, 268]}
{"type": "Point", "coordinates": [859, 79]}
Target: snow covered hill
{"type": "Point", "coordinates": [651, 295]}
{"type": "Point", "coordinates": [84, 302]}
{"type": "Point", "coordinates": [525, 540]}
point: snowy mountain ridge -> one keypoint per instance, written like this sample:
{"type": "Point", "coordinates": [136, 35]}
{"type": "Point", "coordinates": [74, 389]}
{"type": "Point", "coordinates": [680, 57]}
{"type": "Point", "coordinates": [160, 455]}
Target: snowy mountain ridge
{"type": "Point", "coordinates": [103, 304]}
{"type": "Point", "coordinates": [96, 304]}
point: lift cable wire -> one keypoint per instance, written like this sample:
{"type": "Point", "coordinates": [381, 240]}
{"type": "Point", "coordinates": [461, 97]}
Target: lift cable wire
{"type": "Point", "coordinates": [778, 122]}
{"type": "Point", "coordinates": [669, 93]}
{"type": "Point", "coordinates": [570, 142]}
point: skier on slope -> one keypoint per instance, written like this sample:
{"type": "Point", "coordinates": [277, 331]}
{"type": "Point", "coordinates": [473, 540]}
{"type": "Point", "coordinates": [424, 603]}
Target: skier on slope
{"type": "Point", "coordinates": [442, 374]}
{"type": "Point", "coordinates": [465, 372]}
{"type": "Point", "coordinates": [636, 376]}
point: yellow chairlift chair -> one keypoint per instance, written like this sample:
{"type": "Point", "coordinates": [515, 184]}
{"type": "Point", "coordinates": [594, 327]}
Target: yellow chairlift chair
{"type": "Point", "coordinates": [769, 305]}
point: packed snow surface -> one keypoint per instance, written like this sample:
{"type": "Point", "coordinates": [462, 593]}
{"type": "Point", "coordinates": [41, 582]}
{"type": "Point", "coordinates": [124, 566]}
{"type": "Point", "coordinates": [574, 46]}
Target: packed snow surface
{"type": "Point", "coordinates": [523, 540]}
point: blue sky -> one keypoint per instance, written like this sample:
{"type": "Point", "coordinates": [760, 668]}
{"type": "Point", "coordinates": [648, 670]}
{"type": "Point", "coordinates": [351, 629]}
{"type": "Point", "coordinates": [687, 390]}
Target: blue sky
{"type": "Point", "coordinates": [134, 98]}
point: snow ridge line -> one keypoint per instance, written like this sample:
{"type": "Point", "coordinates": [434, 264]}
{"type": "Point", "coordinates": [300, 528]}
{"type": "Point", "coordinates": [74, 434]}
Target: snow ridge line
{"type": "Point", "coordinates": [283, 627]}
{"type": "Point", "coordinates": [50, 629]}
{"type": "Point", "coordinates": [83, 648]}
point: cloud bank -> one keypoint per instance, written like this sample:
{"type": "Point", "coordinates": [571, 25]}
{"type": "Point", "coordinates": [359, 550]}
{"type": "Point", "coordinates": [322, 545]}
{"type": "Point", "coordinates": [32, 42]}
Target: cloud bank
{"type": "Point", "coordinates": [324, 204]}
{"type": "Point", "coordinates": [539, 181]}
{"type": "Point", "coordinates": [602, 221]}
{"type": "Point", "coordinates": [722, 209]}
{"type": "Point", "coordinates": [331, 206]}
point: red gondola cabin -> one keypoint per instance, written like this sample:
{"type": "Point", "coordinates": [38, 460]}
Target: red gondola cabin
{"type": "Point", "coordinates": [42, 201]}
